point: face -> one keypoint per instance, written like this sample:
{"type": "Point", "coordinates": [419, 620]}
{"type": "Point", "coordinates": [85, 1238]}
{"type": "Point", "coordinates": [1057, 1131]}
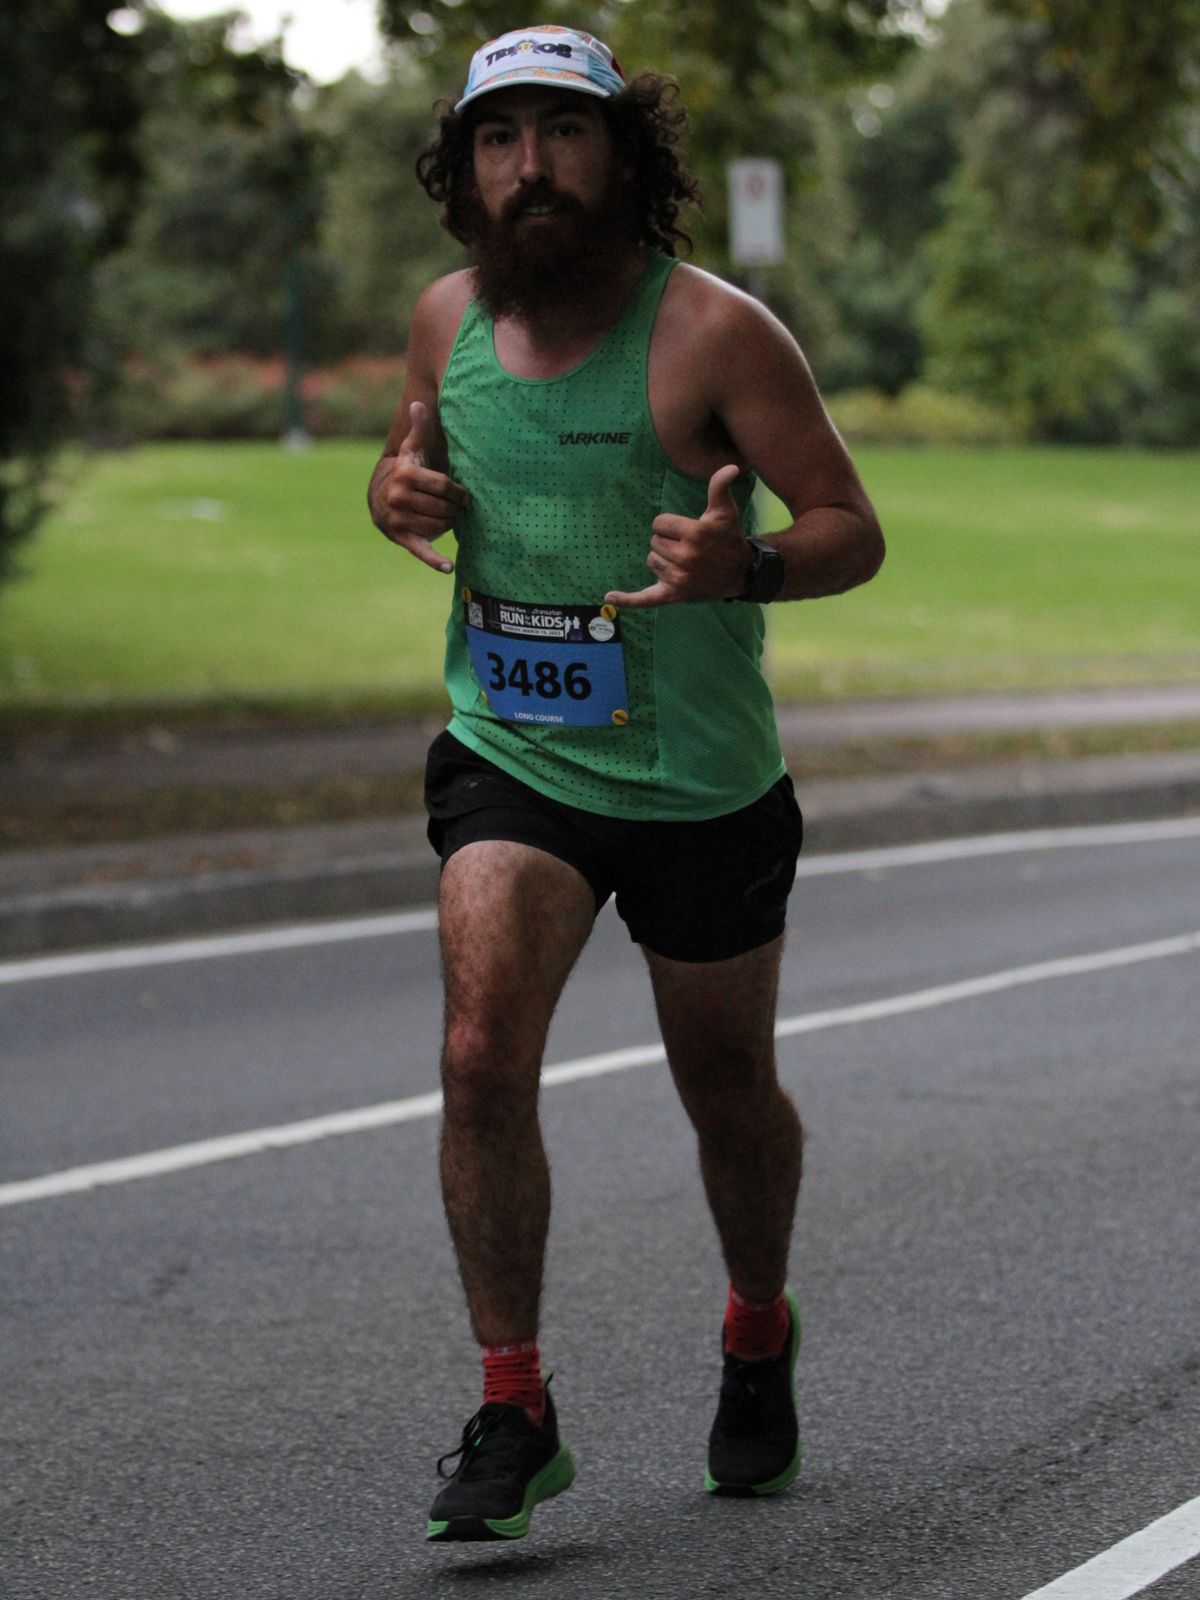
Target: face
{"type": "Point", "coordinates": [539, 153]}
{"type": "Point", "coordinates": [550, 212]}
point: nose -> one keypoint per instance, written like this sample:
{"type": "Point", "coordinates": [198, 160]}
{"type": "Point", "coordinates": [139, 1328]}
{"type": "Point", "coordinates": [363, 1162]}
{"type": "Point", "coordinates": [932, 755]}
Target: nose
{"type": "Point", "coordinates": [532, 163]}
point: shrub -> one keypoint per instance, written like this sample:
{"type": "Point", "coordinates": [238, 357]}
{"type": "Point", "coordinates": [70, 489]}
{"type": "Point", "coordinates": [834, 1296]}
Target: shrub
{"type": "Point", "coordinates": [919, 415]}
{"type": "Point", "coordinates": [243, 397]}
{"type": "Point", "coordinates": [213, 397]}
{"type": "Point", "coordinates": [355, 399]}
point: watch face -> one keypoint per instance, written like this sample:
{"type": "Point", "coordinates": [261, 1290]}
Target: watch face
{"type": "Point", "coordinates": [767, 572]}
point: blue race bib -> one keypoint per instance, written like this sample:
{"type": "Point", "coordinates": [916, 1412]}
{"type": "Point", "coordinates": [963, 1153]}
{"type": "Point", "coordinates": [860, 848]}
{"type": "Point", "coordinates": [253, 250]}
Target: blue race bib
{"type": "Point", "coordinates": [548, 663]}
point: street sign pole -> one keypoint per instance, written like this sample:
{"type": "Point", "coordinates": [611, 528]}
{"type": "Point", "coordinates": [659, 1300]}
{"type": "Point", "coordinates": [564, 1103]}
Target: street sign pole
{"type": "Point", "coordinates": [756, 242]}
{"type": "Point", "coordinates": [756, 218]}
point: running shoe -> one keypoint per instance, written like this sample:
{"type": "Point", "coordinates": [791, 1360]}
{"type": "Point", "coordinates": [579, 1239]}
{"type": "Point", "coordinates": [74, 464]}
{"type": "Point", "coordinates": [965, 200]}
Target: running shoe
{"type": "Point", "coordinates": [754, 1446]}
{"type": "Point", "coordinates": [505, 1467]}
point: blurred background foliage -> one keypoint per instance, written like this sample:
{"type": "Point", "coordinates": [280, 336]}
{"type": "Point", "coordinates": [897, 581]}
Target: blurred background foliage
{"type": "Point", "coordinates": [993, 214]}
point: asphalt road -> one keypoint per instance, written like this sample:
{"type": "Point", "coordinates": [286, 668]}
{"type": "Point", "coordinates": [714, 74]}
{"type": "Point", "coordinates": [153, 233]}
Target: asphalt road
{"type": "Point", "coordinates": [232, 1380]}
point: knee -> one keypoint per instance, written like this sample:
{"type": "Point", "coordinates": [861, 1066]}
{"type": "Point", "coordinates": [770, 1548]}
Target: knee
{"type": "Point", "coordinates": [734, 1092]}
{"type": "Point", "coordinates": [726, 1075]}
{"type": "Point", "coordinates": [483, 1081]}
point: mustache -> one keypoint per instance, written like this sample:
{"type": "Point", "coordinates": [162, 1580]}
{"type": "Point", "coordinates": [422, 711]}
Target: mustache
{"type": "Point", "coordinates": [539, 194]}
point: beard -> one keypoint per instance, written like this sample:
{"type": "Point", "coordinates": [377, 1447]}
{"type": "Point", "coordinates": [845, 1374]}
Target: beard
{"type": "Point", "coordinates": [564, 264]}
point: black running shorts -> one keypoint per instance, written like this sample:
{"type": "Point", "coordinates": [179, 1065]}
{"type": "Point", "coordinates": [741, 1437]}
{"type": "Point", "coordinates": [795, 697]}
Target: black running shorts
{"type": "Point", "coordinates": [690, 891]}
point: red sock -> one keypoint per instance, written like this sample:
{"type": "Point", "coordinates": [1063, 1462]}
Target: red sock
{"type": "Point", "coordinates": [755, 1330]}
{"type": "Point", "coordinates": [512, 1375]}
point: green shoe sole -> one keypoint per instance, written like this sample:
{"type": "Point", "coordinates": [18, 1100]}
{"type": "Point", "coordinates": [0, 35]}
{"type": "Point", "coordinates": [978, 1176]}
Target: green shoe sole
{"type": "Point", "coordinates": [744, 1491]}
{"type": "Point", "coordinates": [558, 1474]}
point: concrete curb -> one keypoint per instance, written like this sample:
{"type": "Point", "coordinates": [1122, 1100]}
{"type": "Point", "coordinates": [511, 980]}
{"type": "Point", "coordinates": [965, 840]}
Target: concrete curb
{"type": "Point", "coordinates": [58, 900]}
{"type": "Point", "coordinates": [217, 902]}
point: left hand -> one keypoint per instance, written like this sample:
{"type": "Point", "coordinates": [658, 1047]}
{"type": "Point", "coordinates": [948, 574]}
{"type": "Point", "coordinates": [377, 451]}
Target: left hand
{"type": "Point", "coordinates": [695, 559]}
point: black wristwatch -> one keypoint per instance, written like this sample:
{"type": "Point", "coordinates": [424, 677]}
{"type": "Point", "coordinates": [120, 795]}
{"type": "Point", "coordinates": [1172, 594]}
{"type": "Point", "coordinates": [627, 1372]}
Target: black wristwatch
{"type": "Point", "coordinates": [764, 575]}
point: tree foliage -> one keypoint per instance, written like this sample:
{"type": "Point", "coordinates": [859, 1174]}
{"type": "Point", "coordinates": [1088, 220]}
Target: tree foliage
{"type": "Point", "coordinates": [86, 114]}
{"type": "Point", "coordinates": [1041, 267]}
{"type": "Point", "coordinates": [380, 239]}
{"type": "Point", "coordinates": [230, 204]}
{"type": "Point", "coordinates": [1132, 71]}
{"type": "Point", "coordinates": [69, 107]}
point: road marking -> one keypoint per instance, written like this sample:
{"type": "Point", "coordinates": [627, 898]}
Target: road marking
{"type": "Point", "coordinates": [298, 936]}
{"type": "Point", "coordinates": [1000, 844]}
{"type": "Point", "coordinates": [170, 951]}
{"type": "Point", "coordinates": [226, 1148]}
{"type": "Point", "coordinates": [1134, 1564]}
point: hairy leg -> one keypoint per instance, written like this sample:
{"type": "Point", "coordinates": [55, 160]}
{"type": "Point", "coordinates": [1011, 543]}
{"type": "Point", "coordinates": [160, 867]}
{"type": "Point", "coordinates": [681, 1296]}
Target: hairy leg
{"type": "Point", "coordinates": [717, 1021]}
{"type": "Point", "coordinates": [513, 921]}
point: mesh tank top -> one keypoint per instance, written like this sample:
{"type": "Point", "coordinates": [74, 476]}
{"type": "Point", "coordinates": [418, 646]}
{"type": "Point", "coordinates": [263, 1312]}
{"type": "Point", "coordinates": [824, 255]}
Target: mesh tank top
{"type": "Point", "coordinates": [566, 475]}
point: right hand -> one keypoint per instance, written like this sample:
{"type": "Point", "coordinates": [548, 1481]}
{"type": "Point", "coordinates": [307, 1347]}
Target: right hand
{"type": "Point", "coordinates": [414, 504]}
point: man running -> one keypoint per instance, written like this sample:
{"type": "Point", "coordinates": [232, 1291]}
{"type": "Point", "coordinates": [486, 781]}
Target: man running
{"type": "Point", "coordinates": [579, 406]}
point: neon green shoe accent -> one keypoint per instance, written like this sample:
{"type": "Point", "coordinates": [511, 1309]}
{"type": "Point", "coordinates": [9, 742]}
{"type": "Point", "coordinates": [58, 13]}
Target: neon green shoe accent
{"type": "Point", "coordinates": [555, 1476]}
{"type": "Point", "coordinates": [773, 1485]}
{"type": "Point", "coordinates": [558, 1474]}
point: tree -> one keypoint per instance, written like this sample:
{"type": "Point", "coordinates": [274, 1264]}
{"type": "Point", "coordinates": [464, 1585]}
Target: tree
{"type": "Point", "coordinates": [229, 207]}
{"type": "Point", "coordinates": [70, 104]}
{"type": "Point", "coordinates": [1010, 321]}
{"type": "Point", "coordinates": [380, 238]}
{"type": "Point", "coordinates": [889, 152]}
{"type": "Point", "coordinates": [1133, 72]}
{"type": "Point", "coordinates": [1161, 405]}
{"type": "Point", "coordinates": [1043, 261]}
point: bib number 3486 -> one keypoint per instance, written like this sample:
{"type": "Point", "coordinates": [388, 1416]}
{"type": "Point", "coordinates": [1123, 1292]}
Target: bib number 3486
{"type": "Point", "coordinates": [548, 681]}
{"type": "Point", "coordinates": [550, 664]}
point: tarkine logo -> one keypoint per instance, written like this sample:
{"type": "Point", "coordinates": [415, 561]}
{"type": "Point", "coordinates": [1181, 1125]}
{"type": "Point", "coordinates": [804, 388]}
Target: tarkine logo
{"type": "Point", "coordinates": [594, 438]}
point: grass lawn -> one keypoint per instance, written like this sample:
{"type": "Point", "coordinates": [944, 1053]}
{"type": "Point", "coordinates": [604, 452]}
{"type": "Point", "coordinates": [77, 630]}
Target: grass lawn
{"type": "Point", "coordinates": [217, 575]}
{"type": "Point", "coordinates": [1015, 568]}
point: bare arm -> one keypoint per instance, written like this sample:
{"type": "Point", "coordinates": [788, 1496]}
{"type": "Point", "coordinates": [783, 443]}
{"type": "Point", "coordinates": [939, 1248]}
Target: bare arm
{"type": "Point", "coordinates": [411, 498]}
{"type": "Point", "coordinates": [764, 401]}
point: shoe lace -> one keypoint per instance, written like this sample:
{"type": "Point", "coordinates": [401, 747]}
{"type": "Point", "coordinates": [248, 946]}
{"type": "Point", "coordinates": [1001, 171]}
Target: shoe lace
{"type": "Point", "coordinates": [745, 1397]}
{"type": "Point", "coordinates": [487, 1446]}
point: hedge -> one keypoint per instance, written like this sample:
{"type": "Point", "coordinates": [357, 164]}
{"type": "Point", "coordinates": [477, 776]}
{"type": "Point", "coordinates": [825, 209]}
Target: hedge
{"type": "Point", "coordinates": [243, 397]}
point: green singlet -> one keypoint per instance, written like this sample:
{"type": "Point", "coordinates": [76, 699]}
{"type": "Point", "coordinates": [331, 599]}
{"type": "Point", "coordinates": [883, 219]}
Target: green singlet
{"type": "Point", "coordinates": [661, 714]}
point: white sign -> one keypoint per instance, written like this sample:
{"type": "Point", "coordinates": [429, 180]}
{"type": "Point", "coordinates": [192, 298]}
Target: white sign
{"type": "Point", "coordinates": [755, 213]}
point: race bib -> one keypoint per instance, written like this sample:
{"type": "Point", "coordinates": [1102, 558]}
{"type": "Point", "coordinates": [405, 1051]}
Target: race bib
{"type": "Point", "coordinates": [548, 664]}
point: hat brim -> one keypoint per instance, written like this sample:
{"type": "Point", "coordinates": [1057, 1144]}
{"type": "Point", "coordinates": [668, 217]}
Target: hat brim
{"type": "Point", "coordinates": [541, 77]}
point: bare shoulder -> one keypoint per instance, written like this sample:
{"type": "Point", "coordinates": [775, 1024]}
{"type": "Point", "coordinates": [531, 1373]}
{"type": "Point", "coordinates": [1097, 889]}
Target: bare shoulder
{"type": "Point", "coordinates": [721, 340]}
{"type": "Point", "coordinates": [436, 319]}
{"type": "Point", "coordinates": [702, 310]}
{"type": "Point", "coordinates": [725, 373]}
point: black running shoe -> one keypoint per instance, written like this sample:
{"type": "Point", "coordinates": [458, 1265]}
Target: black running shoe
{"type": "Point", "coordinates": [506, 1466]}
{"type": "Point", "coordinates": [754, 1446]}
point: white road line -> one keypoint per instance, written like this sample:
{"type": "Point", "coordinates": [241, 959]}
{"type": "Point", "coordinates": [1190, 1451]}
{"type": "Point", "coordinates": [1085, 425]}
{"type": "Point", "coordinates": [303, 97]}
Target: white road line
{"type": "Point", "coordinates": [206, 1151]}
{"type": "Point", "coordinates": [1000, 844]}
{"type": "Point", "coordinates": [1134, 1564]}
{"type": "Point", "coordinates": [263, 941]}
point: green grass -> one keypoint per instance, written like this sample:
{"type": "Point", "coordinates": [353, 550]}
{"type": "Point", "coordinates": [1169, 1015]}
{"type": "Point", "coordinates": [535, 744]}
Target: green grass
{"type": "Point", "coordinates": [215, 573]}
{"type": "Point", "coordinates": [1011, 568]}
{"type": "Point", "coordinates": [213, 576]}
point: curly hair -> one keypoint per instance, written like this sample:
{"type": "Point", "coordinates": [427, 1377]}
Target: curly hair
{"type": "Point", "coordinates": [645, 121]}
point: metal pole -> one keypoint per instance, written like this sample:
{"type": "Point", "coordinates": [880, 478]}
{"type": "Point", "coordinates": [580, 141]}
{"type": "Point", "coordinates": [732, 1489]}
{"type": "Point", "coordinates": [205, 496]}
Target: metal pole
{"type": "Point", "coordinates": [295, 434]}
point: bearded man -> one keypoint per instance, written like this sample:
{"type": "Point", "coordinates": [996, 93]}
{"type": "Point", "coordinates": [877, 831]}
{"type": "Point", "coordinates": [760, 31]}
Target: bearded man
{"type": "Point", "coordinates": [579, 406]}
